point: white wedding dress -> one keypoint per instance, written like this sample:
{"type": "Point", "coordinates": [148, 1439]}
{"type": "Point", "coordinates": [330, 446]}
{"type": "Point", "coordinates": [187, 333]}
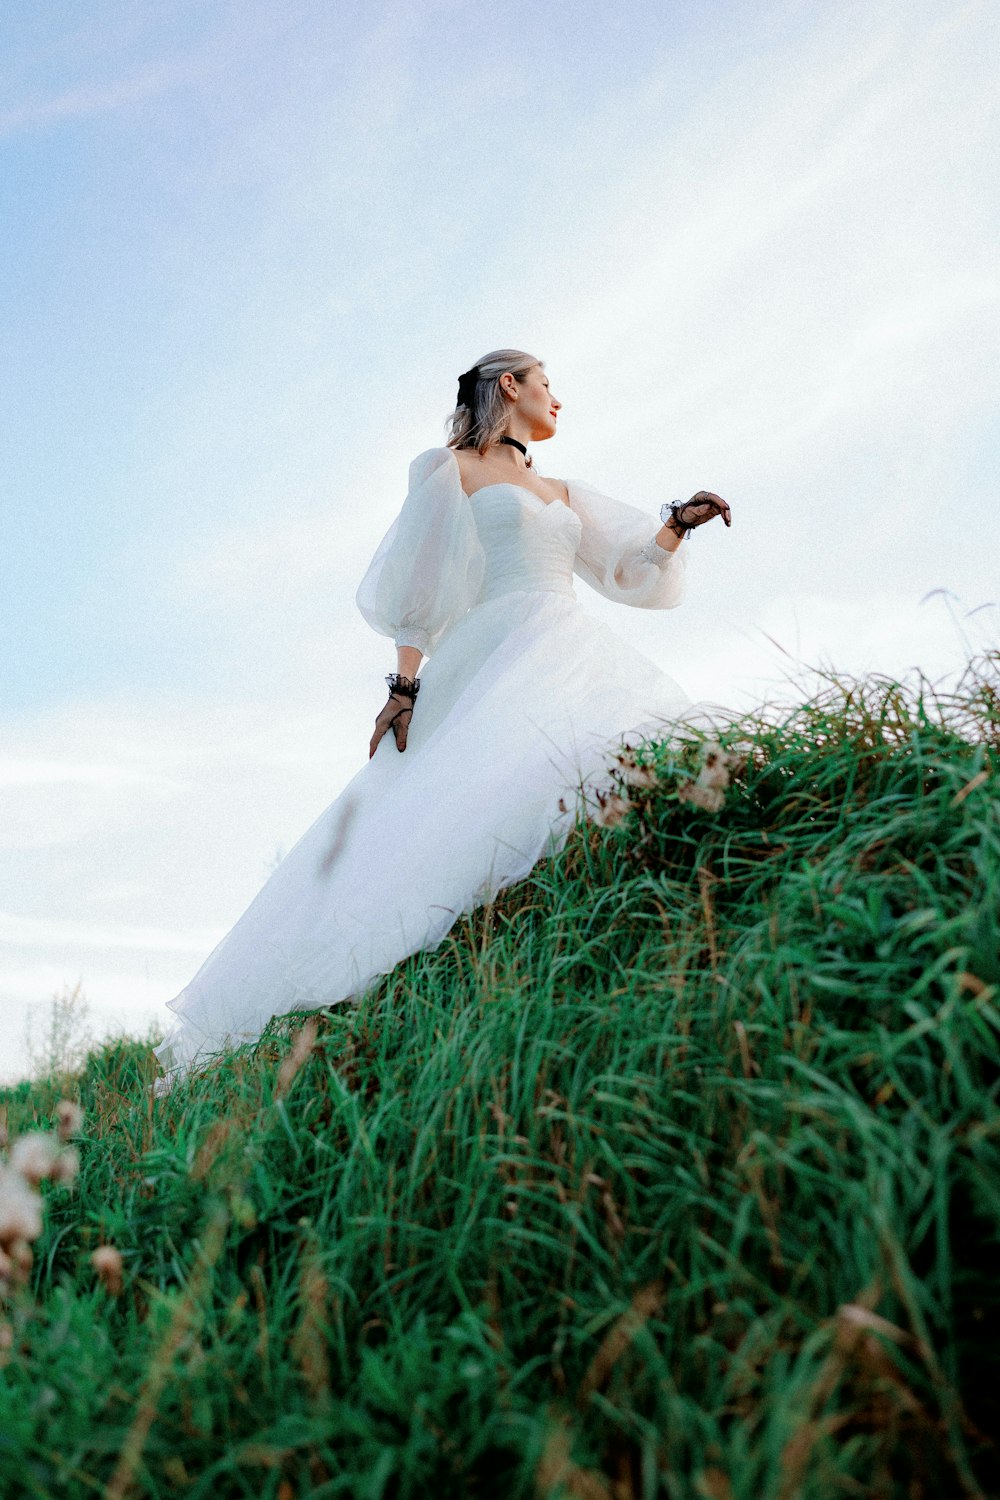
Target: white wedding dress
{"type": "Point", "coordinates": [524, 700]}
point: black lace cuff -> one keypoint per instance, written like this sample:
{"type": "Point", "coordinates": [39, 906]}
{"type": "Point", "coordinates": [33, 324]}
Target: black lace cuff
{"type": "Point", "coordinates": [404, 687]}
{"type": "Point", "coordinates": [670, 516]}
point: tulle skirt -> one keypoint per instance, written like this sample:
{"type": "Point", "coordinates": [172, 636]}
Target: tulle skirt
{"type": "Point", "coordinates": [525, 702]}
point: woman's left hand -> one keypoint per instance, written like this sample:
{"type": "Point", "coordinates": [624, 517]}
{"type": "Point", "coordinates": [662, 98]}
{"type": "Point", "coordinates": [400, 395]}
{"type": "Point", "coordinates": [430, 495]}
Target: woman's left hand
{"type": "Point", "coordinates": [702, 507]}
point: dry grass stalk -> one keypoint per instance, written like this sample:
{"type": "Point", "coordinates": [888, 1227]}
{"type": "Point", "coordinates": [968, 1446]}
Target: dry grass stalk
{"type": "Point", "coordinates": [746, 1058]}
{"type": "Point", "coordinates": [260, 1302]}
{"type": "Point", "coordinates": [644, 1305]}
{"type": "Point", "coordinates": [309, 1339]}
{"type": "Point", "coordinates": [304, 1042]}
{"type": "Point", "coordinates": [713, 1484]}
{"type": "Point", "coordinates": [705, 882]}
{"type": "Point", "coordinates": [854, 1350]}
{"type": "Point", "coordinates": [219, 1132]}
{"type": "Point", "coordinates": [969, 787]}
{"type": "Point", "coordinates": [183, 1317]}
{"type": "Point", "coordinates": [556, 1469]}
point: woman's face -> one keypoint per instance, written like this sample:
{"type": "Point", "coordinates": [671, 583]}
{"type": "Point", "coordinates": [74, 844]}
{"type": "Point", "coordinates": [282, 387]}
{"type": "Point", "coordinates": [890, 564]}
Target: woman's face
{"type": "Point", "coordinates": [535, 405]}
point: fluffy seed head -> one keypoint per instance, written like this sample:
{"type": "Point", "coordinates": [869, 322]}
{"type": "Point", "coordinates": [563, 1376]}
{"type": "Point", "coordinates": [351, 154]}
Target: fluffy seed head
{"type": "Point", "coordinates": [20, 1209]}
{"type": "Point", "coordinates": [714, 771]}
{"type": "Point", "coordinates": [20, 1259]}
{"type": "Point", "coordinates": [635, 775]}
{"type": "Point", "coordinates": [69, 1118]}
{"type": "Point", "coordinates": [107, 1262]}
{"type": "Point", "coordinates": [709, 798]}
{"type": "Point", "coordinates": [34, 1155]}
{"type": "Point", "coordinates": [611, 809]}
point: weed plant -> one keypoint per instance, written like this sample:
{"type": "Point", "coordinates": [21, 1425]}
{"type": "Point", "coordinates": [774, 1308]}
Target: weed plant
{"type": "Point", "coordinates": [674, 1172]}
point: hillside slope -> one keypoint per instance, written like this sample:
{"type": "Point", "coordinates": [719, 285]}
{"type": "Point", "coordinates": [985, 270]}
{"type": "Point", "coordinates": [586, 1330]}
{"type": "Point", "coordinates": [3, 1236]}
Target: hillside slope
{"type": "Point", "coordinates": [675, 1172]}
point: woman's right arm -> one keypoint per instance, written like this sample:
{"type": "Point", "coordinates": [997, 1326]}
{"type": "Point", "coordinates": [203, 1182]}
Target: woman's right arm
{"type": "Point", "coordinates": [424, 576]}
{"type": "Point", "coordinates": [398, 711]}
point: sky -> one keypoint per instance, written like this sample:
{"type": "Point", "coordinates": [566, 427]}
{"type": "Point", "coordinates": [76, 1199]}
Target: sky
{"type": "Point", "coordinates": [249, 247]}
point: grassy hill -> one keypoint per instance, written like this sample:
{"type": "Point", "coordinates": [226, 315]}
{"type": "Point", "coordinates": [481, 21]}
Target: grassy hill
{"type": "Point", "coordinates": [676, 1172]}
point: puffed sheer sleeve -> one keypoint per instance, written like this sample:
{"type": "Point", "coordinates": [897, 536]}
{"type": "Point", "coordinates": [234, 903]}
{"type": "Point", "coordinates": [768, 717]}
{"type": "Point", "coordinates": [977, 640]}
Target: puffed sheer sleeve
{"type": "Point", "coordinates": [429, 565]}
{"type": "Point", "coordinates": [618, 555]}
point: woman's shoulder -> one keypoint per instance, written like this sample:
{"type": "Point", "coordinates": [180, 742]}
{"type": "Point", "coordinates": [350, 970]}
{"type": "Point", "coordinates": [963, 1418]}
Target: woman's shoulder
{"type": "Point", "coordinates": [432, 461]}
{"type": "Point", "coordinates": [471, 467]}
{"type": "Point", "coordinates": [557, 484]}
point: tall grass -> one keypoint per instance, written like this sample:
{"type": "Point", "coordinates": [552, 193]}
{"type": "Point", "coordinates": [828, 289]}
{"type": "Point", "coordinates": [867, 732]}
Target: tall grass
{"type": "Point", "coordinates": [675, 1172]}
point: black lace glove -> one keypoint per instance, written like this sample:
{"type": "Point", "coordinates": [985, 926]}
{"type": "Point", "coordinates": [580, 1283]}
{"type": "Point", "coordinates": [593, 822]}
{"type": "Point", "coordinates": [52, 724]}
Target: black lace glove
{"type": "Point", "coordinates": [397, 713]}
{"type": "Point", "coordinates": [684, 515]}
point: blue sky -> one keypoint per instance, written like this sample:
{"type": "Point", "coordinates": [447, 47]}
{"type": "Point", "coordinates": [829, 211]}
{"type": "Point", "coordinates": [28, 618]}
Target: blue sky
{"type": "Point", "coordinates": [248, 248]}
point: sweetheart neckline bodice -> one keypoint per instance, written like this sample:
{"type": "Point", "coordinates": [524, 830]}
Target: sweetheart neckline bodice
{"type": "Point", "coordinates": [506, 484]}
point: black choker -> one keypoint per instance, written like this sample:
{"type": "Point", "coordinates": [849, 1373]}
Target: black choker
{"type": "Point", "coordinates": [515, 444]}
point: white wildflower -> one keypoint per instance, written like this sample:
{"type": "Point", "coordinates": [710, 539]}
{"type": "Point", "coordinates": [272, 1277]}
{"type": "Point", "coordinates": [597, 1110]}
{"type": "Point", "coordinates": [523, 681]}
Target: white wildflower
{"type": "Point", "coordinates": [21, 1258]}
{"type": "Point", "coordinates": [709, 798]}
{"type": "Point", "coordinates": [69, 1116]}
{"type": "Point", "coordinates": [20, 1253]}
{"type": "Point", "coordinates": [611, 809]}
{"type": "Point", "coordinates": [708, 791]}
{"type": "Point", "coordinates": [714, 773]}
{"type": "Point", "coordinates": [34, 1155]}
{"type": "Point", "coordinates": [633, 774]}
{"type": "Point", "coordinates": [20, 1209]}
{"type": "Point", "coordinates": [107, 1262]}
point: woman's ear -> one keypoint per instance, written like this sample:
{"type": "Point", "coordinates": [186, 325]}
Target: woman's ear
{"type": "Point", "coordinates": [508, 385]}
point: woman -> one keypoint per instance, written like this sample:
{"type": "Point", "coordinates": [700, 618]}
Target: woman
{"type": "Point", "coordinates": [473, 763]}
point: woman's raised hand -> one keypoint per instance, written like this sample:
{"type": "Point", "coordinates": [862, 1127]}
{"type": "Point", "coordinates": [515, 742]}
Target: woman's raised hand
{"type": "Point", "coordinates": [681, 517]}
{"type": "Point", "coordinates": [703, 507]}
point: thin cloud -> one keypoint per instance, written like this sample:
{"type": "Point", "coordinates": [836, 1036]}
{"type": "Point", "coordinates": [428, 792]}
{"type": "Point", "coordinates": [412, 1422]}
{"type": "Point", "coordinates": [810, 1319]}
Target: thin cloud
{"type": "Point", "coordinates": [36, 773]}
{"type": "Point", "coordinates": [28, 932]}
{"type": "Point", "coordinates": [98, 99]}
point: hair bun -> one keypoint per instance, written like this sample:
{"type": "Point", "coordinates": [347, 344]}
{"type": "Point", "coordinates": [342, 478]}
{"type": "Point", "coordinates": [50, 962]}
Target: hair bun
{"type": "Point", "coordinates": [467, 386]}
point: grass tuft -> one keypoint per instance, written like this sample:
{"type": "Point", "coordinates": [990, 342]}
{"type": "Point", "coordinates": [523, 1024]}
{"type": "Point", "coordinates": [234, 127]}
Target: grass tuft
{"type": "Point", "coordinates": [673, 1172]}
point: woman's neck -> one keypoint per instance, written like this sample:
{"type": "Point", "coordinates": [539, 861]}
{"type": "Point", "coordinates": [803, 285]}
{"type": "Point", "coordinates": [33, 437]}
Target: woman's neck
{"type": "Point", "coordinates": [508, 454]}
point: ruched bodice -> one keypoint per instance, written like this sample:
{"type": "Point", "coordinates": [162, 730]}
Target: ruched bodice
{"type": "Point", "coordinates": [448, 551]}
{"type": "Point", "coordinates": [528, 545]}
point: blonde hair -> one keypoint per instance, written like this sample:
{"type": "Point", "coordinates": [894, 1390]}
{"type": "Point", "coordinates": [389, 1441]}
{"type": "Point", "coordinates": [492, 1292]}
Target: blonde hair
{"type": "Point", "coordinates": [484, 420]}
